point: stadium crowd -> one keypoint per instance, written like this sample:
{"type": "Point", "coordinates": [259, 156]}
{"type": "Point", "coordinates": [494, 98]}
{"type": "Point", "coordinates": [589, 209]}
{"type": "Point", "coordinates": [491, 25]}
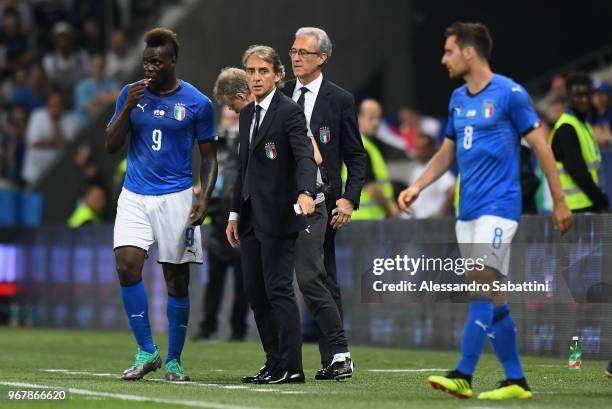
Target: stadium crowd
{"type": "Point", "coordinates": [60, 61]}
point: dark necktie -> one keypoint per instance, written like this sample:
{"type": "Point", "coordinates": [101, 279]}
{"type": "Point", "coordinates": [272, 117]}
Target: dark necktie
{"type": "Point", "coordinates": [245, 182]}
{"type": "Point", "coordinates": [300, 100]}
{"type": "Point", "coordinates": [256, 127]}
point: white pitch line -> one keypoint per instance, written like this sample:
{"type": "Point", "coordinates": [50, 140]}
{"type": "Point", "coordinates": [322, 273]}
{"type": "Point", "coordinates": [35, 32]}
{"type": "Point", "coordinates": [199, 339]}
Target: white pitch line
{"type": "Point", "coordinates": [121, 396]}
{"type": "Point", "coordinates": [69, 372]}
{"type": "Point", "coordinates": [213, 385]}
{"type": "Point", "coordinates": [408, 370]}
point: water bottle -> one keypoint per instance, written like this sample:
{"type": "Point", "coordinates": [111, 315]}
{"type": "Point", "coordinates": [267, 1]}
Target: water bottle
{"type": "Point", "coordinates": [28, 319]}
{"type": "Point", "coordinates": [575, 356]}
{"type": "Point", "coordinates": [14, 315]}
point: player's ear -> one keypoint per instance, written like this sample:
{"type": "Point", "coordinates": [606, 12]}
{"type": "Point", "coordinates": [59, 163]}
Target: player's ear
{"type": "Point", "coordinates": [322, 59]}
{"type": "Point", "coordinates": [469, 52]}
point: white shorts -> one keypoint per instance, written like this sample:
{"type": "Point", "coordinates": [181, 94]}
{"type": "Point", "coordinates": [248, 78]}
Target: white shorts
{"type": "Point", "coordinates": [143, 220]}
{"type": "Point", "coordinates": [489, 238]}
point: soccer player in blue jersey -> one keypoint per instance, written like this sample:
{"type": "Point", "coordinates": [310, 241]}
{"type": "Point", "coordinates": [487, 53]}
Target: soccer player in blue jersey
{"type": "Point", "coordinates": [488, 115]}
{"type": "Point", "coordinates": [163, 115]}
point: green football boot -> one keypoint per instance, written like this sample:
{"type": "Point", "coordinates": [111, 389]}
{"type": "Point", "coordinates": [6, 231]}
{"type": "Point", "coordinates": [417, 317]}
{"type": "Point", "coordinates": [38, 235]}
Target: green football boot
{"type": "Point", "coordinates": [174, 372]}
{"type": "Point", "coordinates": [144, 363]}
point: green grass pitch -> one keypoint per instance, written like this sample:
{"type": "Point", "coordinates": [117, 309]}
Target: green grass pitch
{"type": "Point", "coordinates": [89, 362]}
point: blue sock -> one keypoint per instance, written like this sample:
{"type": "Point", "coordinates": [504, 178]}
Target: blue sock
{"type": "Point", "coordinates": [178, 316]}
{"type": "Point", "coordinates": [504, 342]}
{"type": "Point", "coordinates": [477, 326]}
{"type": "Point", "coordinates": [137, 310]}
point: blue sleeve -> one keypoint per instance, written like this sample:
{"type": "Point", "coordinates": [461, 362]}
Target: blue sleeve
{"type": "Point", "coordinates": [450, 124]}
{"type": "Point", "coordinates": [120, 102]}
{"type": "Point", "coordinates": [521, 110]}
{"type": "Point", "coordinates": [205, 122]}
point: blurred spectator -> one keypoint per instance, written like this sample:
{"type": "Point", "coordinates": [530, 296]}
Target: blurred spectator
{"type": "Point", "coordinates": [33, 94]}
{"type": "Point", "coordinates": [12, 145]}
{"type": "Point", "coordinates": [437, 199]}
{"type": "Point", "coordinates": [15, 48]}
{"type": "Point", "coordinates": [602, 113]}
{"type": "Point", "coordinates": [23, 9]}
{"type": "Point", "coordinates": [377, 200]}
{"type": "Point", "coordinates": [91, 210]}
{"type": "Point", "coordinates": [576, 152]}
{"type": "Point", "coordinates": [48, 131]}
{"type": "Point", "coordinates": [557, 94]}
{"type": "Point", "coordinates": [65, 65]}
{"type": "Point", "coordinates": [119, 62]}
{"type": "Point", "coordinates": [90, 170]}
{"type": "Point", "coordinates": [92, 40]}
{"type": "Point", "coordinates": [20, 78]}
{"type": "Point", "coordinates": [46, 14]}
{"type": "Point", "coordinates": [94, 92]}
{"type": "Point", "coordinates": [409, 126]}
{"type": "Point", "coordinates": [555, 110]}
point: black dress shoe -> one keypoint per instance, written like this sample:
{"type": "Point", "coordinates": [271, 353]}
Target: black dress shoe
{"type": "Point", "coordinates": [262, 373]}
{"type": "Point", "coordinates": [337, 370]}
{"type": "Point", "coordinates": [282, 376]}
{"type": "Point", "coordinates": [323, 375]}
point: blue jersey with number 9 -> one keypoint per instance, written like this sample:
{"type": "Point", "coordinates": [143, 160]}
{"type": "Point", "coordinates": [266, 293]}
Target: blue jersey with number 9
{"type": "Point", "coordinates": [487, 129]}
{"type": "Point", "coordinates": [162, 132]}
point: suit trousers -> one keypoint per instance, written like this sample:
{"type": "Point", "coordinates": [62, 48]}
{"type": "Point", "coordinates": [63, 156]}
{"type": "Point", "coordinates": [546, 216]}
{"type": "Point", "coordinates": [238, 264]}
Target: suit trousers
{"type": "Point", "coordinates": [268, 263]}
{"type": "Point", "coordinates": [312, 280]}
{"type": "Point", "coordinates": [329, 258]}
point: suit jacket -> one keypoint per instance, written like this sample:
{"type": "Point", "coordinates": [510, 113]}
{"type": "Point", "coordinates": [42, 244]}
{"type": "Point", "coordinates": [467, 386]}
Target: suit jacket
{"type": "Point", "coordinates": [334, 127]}
{"type": "Point", "coordinates": [279, 164]}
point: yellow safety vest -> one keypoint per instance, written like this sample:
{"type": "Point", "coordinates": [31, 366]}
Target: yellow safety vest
{"type": "Point", "coordinates": [120, 173]}
{"type": "Point", "coordinates": [368, 208]}
{"type": "Point", "coordinates": [576, 198]}
{"type": "Point", "coordinates": [81, 215]}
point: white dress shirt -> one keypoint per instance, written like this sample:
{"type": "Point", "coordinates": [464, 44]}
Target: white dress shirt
{"type": "Point", "coordinates": [265, 105]}
{"type": "Point", "coordinates": [309, 97]}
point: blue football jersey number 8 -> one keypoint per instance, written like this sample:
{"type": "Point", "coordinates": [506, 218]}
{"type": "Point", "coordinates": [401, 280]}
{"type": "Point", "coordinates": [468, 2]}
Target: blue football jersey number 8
{"type": "Point", "coordinates": [468, 133]}
{"type": "Point", "coordinates": [157, 139]}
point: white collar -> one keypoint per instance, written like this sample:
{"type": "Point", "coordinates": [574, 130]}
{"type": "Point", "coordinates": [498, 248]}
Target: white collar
{"type": "Point", "coordinates": [313, 86]}
{"type": "Point", "coordinates": [265, 103]}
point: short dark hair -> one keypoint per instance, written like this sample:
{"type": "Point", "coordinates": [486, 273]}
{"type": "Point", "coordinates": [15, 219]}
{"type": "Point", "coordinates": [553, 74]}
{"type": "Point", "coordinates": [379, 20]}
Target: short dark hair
{"type": "Point", "coordinates": [160, 37]}
{"type": "Point", "coordinates": [474, 34]}
{"type": "Point", "coordinates": [578, 78]}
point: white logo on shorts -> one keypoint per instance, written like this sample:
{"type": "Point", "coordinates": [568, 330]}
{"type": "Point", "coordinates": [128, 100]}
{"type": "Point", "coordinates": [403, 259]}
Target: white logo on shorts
{"type": "Point", "coordinates": [141, 315]}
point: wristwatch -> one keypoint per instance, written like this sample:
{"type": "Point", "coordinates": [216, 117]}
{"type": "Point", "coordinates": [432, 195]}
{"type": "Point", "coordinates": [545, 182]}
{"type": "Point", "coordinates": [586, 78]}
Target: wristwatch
{"type": "Point", "coordinates": [308, 193]}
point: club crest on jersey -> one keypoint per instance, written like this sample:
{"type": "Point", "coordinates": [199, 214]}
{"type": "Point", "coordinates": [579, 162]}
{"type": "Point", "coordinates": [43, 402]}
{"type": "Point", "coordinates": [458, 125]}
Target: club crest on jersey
{"type": "Point", "coordinates": [271, 152]}
{"type": "Point", "coordinates": [487, 109]}
{"type": "Point", "coordinates": [324, 134]}
{"type": "Point", "coordinates": [179, 111]}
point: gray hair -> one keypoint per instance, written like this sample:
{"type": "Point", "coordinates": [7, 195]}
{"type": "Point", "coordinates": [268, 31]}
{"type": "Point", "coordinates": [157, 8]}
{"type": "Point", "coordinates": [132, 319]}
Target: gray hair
{"type": "Point", "coordinates": [269, 55]}
{"type": "Point", "coordinates": [324, 44]}
{"type": "Point", "coordinates": [230, 82]}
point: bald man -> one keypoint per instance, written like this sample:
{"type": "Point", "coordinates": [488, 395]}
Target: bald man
{"type": "Point", "coordinates": [376, 198]}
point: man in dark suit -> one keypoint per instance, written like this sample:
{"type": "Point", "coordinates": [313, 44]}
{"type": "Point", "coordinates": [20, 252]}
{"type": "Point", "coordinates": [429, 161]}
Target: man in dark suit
{"type": "Point", "coordinates": [277, 168]}
{"type": "Point", "coordinates": [330, 114]}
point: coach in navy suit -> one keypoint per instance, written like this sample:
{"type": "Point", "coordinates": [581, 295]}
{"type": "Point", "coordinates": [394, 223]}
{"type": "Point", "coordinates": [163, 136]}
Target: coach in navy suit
{"type": "Point", "coordinates": [277, 171]}
{"type": "Point", "coordinates": [331, 115]}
